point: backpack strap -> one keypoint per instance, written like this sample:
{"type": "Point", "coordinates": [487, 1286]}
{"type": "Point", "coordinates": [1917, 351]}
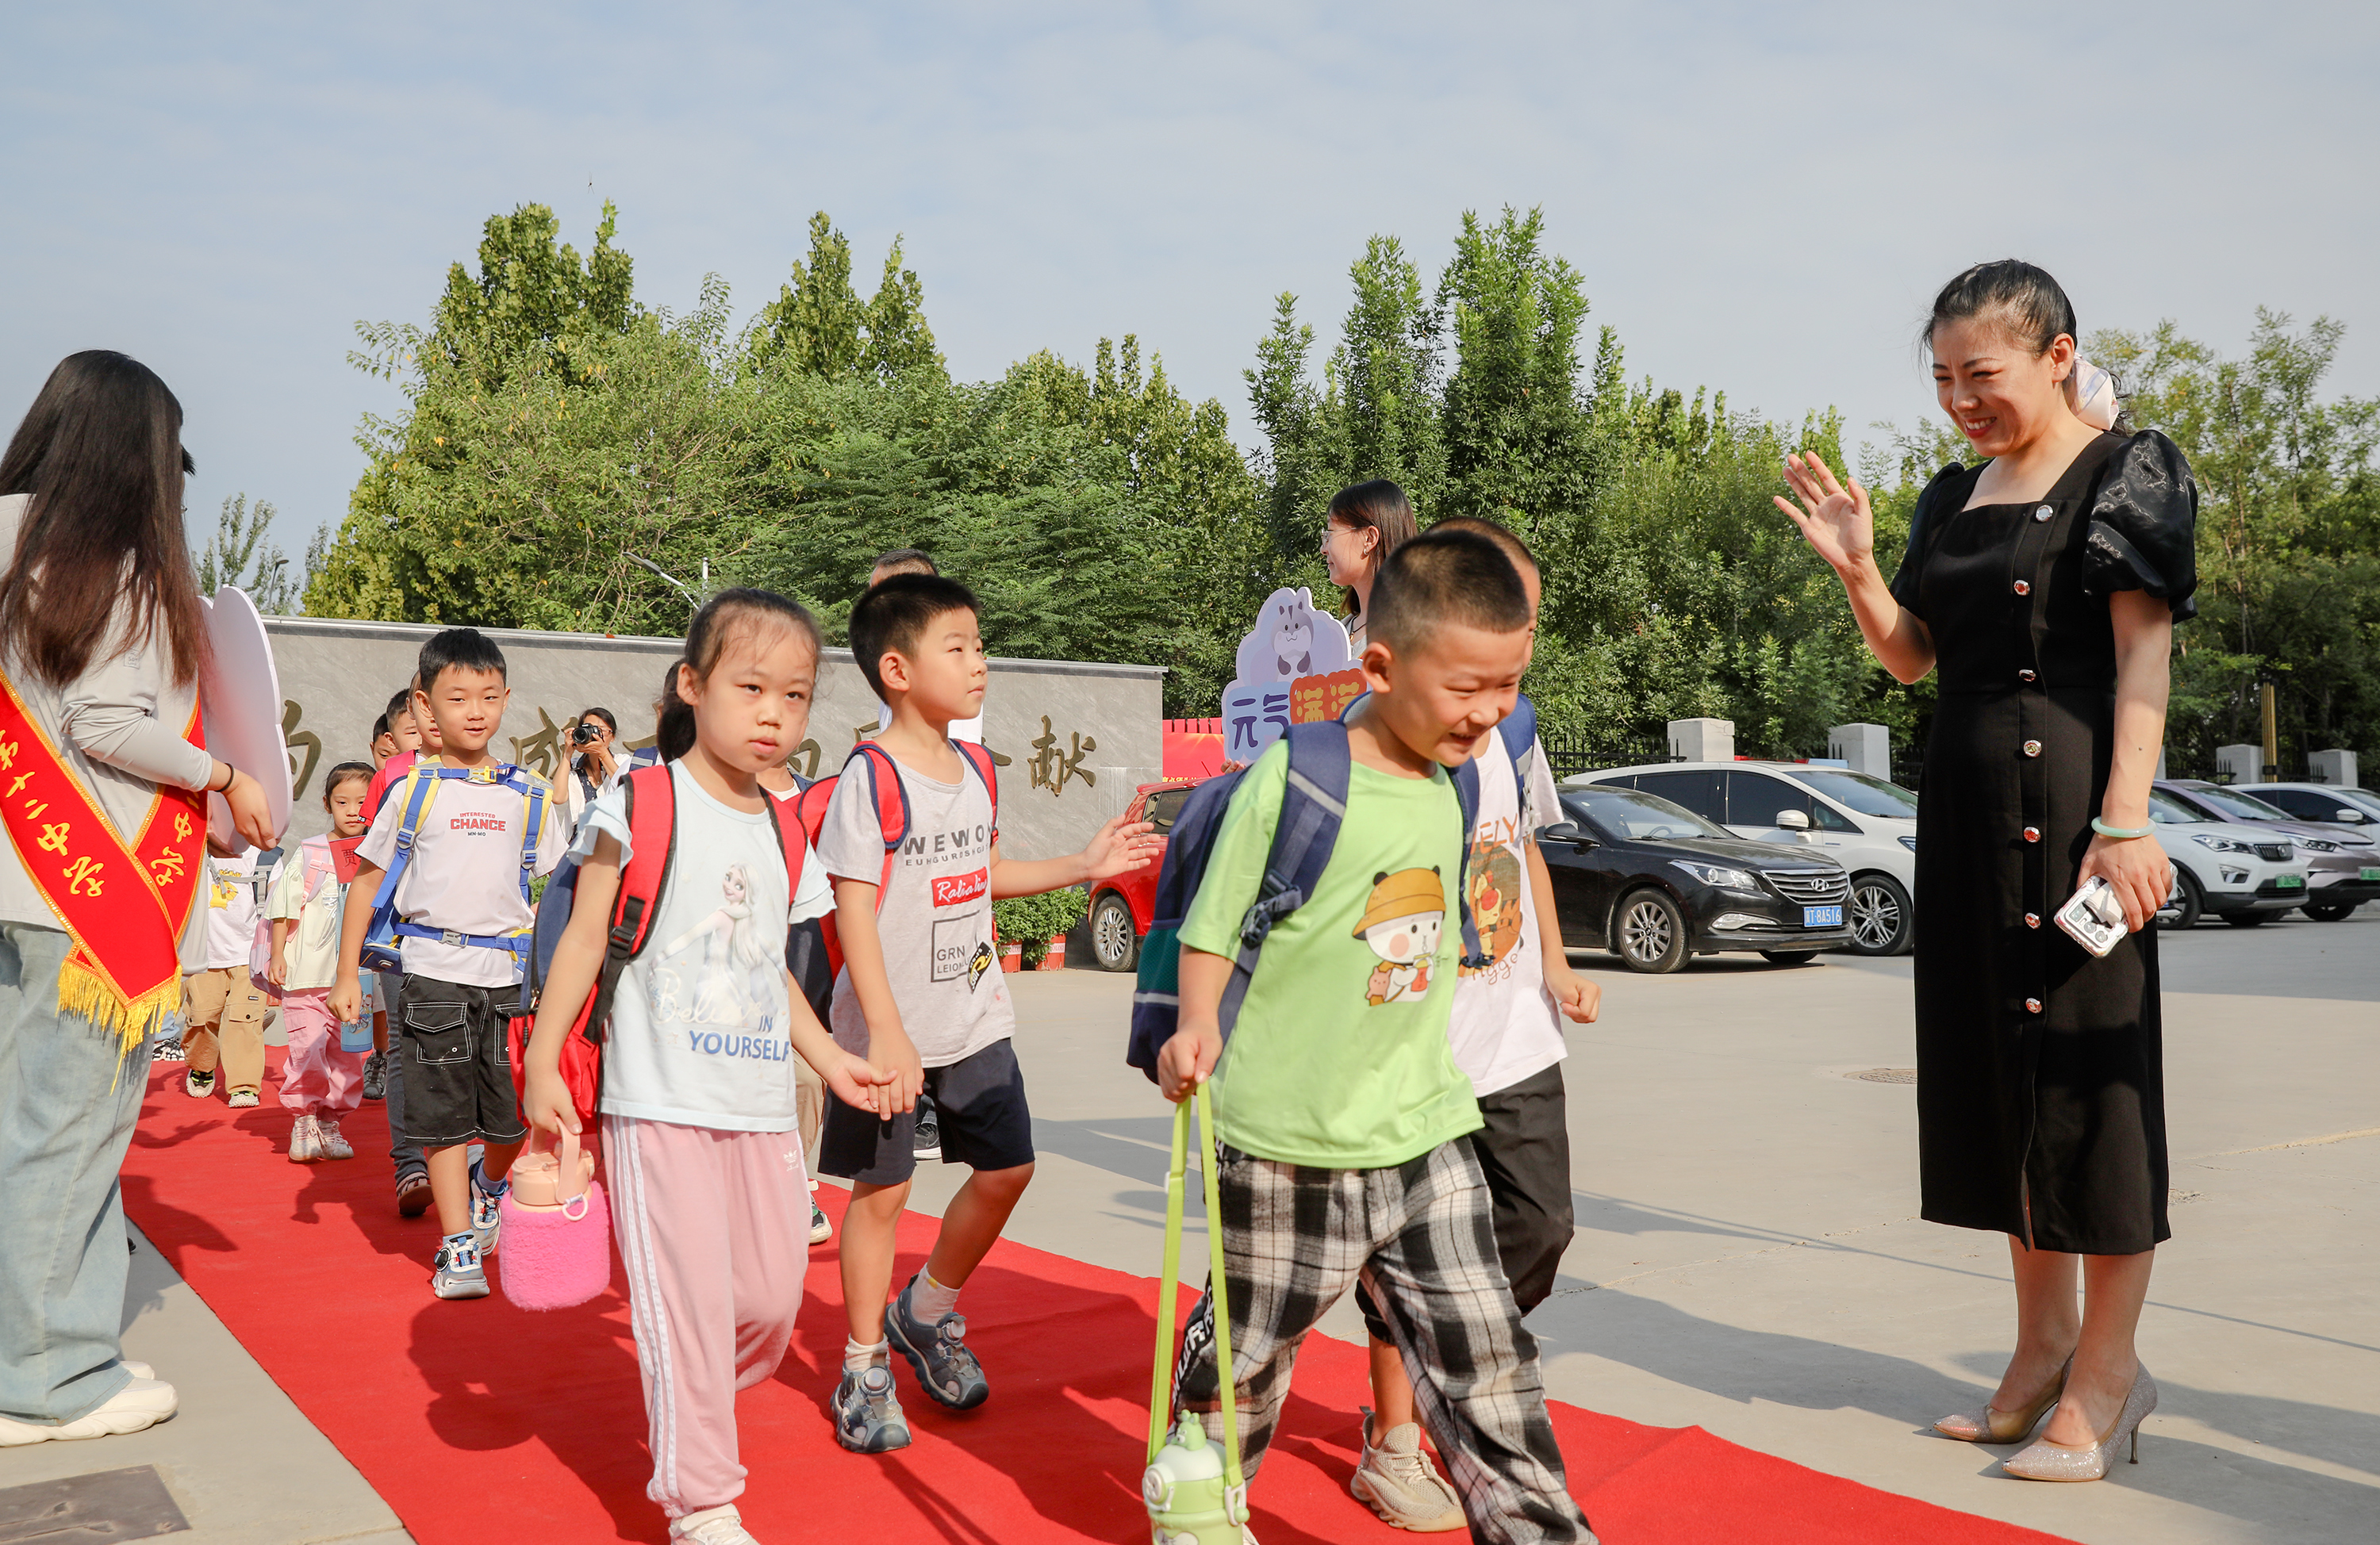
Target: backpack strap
{"type": "Point", "coordinates": [890, 798]}
{"type": "Point", "coordinates": [535, 791]}
{"type": "Point", "coordinates": [420, 783]}
{"type": "Point", "coordinates": [793, 840]}
{"type": "Point", "coordinates": [651, 796]}
{"type": "Point", "coordinates": [986, 769]}
{"type": "Point", "coordinates": [1313, 804]}
{"type": "Point", "coordinates": [811, 803]}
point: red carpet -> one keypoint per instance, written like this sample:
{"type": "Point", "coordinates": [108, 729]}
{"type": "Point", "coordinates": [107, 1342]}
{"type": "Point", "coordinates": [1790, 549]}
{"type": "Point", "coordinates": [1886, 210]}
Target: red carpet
{"type": "Point", "coordinates": [475, 1420]}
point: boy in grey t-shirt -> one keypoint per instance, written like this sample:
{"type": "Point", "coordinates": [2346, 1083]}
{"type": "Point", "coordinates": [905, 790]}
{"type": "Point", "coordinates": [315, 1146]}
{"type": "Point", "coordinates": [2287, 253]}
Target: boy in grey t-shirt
{"type": "Point", "coordinates": [922, 995]}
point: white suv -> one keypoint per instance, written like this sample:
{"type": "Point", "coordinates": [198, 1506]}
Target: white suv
{"type": "Point", "coordinates": [1865, 824]}
{"type": "Point", "coordinates": [2241, 873]}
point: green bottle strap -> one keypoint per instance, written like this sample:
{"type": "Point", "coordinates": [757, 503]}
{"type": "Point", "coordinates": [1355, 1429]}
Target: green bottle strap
{"type": "Point", "coordinates": [1160, 1381]}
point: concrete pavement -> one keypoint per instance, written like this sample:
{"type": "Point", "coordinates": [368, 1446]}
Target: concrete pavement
{"type": "Point", "coordinates": [1748, 1258]}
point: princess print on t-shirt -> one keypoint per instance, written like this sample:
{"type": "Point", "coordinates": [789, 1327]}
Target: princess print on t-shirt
{"type": "Point", "coordinates": [721, 972]}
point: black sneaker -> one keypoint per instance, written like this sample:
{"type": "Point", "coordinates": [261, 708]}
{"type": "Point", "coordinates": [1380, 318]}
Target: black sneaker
{"type": "Point", "coordinates": [868, 1417]}
{"type": "Point", "coordinates": [928, 1142]}
{"type": "Point", "coordinates": [376, 1076]}
{"type": "Point", "coordinates": [938, 1354]}
{"type": "Point", "coordinates": [167, 1048]}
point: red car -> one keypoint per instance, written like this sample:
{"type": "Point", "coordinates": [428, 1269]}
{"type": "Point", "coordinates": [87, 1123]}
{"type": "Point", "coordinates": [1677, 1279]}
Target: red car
{"type": "Point", "coordinates": [1123, 908]}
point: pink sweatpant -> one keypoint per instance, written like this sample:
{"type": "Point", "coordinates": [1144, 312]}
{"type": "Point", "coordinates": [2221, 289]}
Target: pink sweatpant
{"type": "Point", "coordinates": [318, 1079]}
{"type": "Point", "coordinates": [714, 1230]}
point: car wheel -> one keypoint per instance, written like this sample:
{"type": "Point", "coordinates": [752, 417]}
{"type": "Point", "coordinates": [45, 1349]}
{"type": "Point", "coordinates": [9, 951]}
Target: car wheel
{"type": "Point", "coordinates": [1115, 943]}
{"type": "Point", "coordinates": [2328, 912]}
{"type": "Point", "coordinates": [2246, 920]}
{"type": "Point", "coordinates": [2188, 905]}
{"type": "Point", "coordinates": [1649, 933]}
{"type": "Point", "coordinates": [1794, 956]}
{"type": "Point", "coordinates": [1880, 917]}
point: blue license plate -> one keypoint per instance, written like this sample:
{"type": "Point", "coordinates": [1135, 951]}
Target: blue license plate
{"type": "Point", "coordinates": [1822, 917]}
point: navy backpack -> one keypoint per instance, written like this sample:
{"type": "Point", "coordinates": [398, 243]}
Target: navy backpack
{"type": "Point", "coordinates": [1313, 802]}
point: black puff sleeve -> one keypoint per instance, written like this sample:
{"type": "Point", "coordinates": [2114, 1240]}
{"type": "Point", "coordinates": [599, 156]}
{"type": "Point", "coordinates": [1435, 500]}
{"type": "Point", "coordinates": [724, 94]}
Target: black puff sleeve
{"type": "Point", "coordinates": [1907, 579]}
{"type": "Point", "coordinates": [2143, 531]}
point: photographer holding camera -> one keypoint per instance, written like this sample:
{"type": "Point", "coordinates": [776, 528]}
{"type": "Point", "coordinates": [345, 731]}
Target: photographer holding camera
{"type": "Point", "coordinates": [593, 765]}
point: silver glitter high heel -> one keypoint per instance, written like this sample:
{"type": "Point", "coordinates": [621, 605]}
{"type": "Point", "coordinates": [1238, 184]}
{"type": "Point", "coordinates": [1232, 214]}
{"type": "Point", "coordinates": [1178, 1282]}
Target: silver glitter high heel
{"type": "Point", "coordinates": [2049, 1462]}
{"type": "Point", "coordinates": [1992, 1425]}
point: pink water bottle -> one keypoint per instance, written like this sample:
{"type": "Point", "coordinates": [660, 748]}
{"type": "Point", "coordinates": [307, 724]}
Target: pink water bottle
{"type": "Point", "coordinates": [557, 1228]}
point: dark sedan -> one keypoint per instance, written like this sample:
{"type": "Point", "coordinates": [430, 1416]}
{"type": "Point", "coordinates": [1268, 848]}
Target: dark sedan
{"type": "Point", "coordinates": [1654, 883]}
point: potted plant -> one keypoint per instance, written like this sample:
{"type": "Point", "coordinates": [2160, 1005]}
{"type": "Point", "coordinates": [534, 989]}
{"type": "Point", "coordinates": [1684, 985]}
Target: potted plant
{"type": "Point", "coordinates": [1034, 927]}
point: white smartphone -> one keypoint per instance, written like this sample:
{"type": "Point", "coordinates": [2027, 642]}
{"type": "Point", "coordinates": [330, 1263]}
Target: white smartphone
{"type": "Point", "coordinates": [2094, 916]}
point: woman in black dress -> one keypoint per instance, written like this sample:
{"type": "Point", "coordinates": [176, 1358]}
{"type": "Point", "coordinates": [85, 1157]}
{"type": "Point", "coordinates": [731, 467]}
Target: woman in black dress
{"type": "Point", "coordinates": [2043, 583]}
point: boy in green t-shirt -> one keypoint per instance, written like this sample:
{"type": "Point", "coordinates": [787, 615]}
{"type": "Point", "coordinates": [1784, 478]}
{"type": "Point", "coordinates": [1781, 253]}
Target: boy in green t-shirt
{"type": "Point", "coordinates": [1337, 1104]}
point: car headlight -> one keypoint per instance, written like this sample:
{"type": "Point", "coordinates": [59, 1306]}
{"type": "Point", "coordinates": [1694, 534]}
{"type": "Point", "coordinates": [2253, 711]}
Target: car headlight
{"type": "Point", "coordinates": [1716, 874]}
{"type": "Point", "coordinates": [2316, 845]}
{"type": "Point", "coordinates": [1910, 843]}
{"type": "Point", "coordinates": [2223, 844]}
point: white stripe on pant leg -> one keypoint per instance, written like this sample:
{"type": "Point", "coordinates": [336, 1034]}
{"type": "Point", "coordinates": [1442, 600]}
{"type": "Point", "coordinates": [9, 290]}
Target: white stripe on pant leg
{"type": "Point", "coordinates": [648, 1315]}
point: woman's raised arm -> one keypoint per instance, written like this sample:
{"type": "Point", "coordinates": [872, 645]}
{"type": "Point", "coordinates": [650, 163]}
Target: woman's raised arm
{"type": "Point", "coordinates": [1836, 521]}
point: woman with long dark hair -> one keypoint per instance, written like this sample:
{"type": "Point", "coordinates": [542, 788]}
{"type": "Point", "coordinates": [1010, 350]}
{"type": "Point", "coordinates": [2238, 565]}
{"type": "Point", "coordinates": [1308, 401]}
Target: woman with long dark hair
{"type": "Point", "coordinates": [2043, 583]}
{"type": "Point", "coordinates": [1367, 522]}
{"type": "Point", "coordinates": [103, 792]}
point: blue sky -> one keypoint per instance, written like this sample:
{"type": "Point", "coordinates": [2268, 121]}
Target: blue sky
{"type": "Point", "coordinates": [1761, 197]}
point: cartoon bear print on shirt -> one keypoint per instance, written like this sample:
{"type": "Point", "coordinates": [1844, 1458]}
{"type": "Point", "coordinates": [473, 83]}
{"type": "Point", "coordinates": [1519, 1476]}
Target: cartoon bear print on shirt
{"type": "Point", "coordinates": [1401, 922]}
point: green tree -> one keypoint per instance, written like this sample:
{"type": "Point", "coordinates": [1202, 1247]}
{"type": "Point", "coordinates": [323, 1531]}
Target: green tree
{"type": "Point", "coordinates": [818, 325]}
{"type": "Point", "coordinates": [2288, 537]}
{"type": "Point", "coordinates": [241, 553]}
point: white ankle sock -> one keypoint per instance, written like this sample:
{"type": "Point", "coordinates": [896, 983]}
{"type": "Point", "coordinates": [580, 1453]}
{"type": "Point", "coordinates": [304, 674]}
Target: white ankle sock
{"type": "Point", "coordinates": [857, 1357]}
{"type": "Point", "coordinates": [930, 1300]}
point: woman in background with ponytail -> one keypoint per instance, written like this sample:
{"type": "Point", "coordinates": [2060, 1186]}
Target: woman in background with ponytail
{"type": "Point", "coordinates": [1367, 522]}
{"type": "Point", "coordinates": [2045, 584]}
{"type": "Point", "coordinates": [102, 641]}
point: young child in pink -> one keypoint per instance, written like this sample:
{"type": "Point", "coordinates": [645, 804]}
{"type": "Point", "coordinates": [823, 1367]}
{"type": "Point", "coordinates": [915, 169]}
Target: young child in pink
{"type": "Point", "coordinates": [708, 1181]}
{"type": "Point", "coordinates": [318, 1081]}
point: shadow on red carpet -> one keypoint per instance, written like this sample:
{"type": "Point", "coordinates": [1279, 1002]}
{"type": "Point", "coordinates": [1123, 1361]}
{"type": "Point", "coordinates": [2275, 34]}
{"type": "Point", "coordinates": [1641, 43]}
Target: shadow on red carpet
{"type": "Point", "coordinates": [476, 1419]}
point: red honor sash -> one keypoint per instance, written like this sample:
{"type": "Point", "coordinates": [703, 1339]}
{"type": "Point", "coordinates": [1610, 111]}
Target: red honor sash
{"type": "Point", "coordinates": [124, 908]}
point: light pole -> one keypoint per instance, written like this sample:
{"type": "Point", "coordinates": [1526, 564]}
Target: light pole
{"type": "Point", "coordinates": [694, 598]}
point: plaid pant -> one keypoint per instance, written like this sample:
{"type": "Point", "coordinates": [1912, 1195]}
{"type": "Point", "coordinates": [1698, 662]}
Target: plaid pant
{"type": "Point", "coordinates": [1421, 1238]}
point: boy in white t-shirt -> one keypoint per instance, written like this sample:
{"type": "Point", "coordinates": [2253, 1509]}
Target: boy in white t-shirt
{"type": "Point", "coordinates": [921, 995]}
{"type": "Point", "coordinates": [461, 909]}
{"type": "Point", "coordinates": [1506, 1031]}
{"type": "Point", "coordinates": [223, 1033]}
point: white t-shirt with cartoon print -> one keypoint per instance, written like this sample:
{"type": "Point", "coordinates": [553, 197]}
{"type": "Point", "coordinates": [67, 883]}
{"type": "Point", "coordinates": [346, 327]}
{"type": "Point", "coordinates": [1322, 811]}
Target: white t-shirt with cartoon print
{"type": "Point", "coordinates": [230, 895]}
{"type": "Point", "coordinates": [1506, 1025]}
{"type": "Point", "coordinates": [699, 1033]}
{"type": "Point", "coordinates": [466, 873]}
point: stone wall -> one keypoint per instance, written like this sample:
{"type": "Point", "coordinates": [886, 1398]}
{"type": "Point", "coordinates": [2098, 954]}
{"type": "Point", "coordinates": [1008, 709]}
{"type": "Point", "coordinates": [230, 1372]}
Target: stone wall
{"type": "Point", "coordinates": [1074, 740]}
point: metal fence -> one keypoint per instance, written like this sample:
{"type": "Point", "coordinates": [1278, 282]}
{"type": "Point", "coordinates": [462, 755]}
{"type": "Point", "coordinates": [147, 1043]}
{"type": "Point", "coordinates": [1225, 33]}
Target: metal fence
{"type": "Point", "coordinates": [1584, 751]}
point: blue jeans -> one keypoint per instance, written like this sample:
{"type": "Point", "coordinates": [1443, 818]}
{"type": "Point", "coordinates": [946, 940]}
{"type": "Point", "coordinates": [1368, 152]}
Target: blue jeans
{"type": "Point", "coordinates": [67, 1104]}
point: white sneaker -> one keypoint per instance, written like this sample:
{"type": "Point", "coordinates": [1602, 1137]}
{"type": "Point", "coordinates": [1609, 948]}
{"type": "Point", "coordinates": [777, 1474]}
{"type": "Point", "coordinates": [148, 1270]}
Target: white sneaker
{"type": "Point", "coordinates": [241, 1099]}
{"type": "Point", "coordinates": [328, 1143]}
{"type": "Point", "coordinates": [305, 1147]}
{"type": "Point", "coordinates": [1403, 1486]}
{"type": "Point", "coordinates": [139, 1405]}
{"type": "Point", "coordinates": [712, 1525]}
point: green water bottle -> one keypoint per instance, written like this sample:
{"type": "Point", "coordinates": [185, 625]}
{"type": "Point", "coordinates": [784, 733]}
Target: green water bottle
{"type": "Point", "coordinates": [1190, 1501]}
{"type": "Point", "coordinates": [1193, 1486]}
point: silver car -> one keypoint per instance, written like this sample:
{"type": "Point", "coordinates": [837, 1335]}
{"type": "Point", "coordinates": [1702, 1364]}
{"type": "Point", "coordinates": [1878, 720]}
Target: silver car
{"type": "Point", "coordinates": [2342, 862]}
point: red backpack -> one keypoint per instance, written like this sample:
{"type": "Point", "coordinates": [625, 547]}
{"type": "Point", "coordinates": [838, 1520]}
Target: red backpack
{"type": "Point", "coordinates": [822, 962]}
{"type": "Point", "coordinates": [653, 841]}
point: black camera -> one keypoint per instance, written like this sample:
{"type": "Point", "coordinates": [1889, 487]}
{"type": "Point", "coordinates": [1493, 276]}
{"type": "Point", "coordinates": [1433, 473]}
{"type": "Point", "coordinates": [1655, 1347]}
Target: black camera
{"type": "Point", "coordinates": [586, 734]}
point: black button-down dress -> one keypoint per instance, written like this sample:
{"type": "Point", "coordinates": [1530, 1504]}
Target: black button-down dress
{"type": "Point", "coordinates": [2040, 1080]}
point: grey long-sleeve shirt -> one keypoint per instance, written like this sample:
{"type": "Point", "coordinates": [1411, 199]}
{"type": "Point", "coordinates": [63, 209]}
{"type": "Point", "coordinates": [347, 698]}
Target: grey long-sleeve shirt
{"type": "Point", "coordinates": [119, 728]}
